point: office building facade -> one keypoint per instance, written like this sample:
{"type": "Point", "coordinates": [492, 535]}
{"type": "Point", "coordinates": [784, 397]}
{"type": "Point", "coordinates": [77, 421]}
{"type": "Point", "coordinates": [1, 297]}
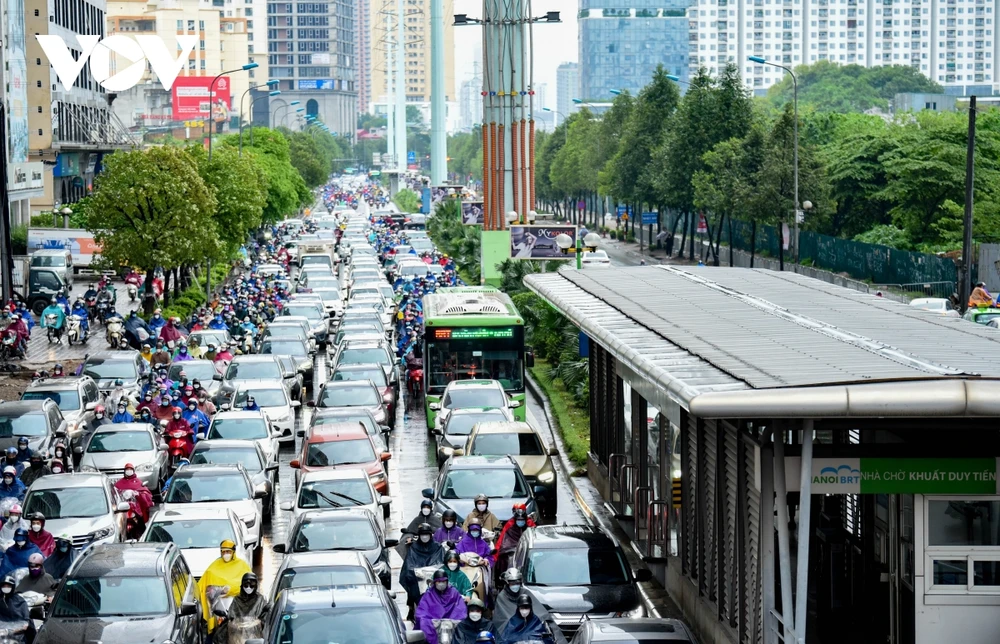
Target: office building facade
{"type": "Point", "coordinates": [952, 42]}
{"type": "Point", "coordinates": [620, 48]}
{"type": "Point", "coordinates": [363, 53]}
{"type": "Point", "coordinates": [311, 53]}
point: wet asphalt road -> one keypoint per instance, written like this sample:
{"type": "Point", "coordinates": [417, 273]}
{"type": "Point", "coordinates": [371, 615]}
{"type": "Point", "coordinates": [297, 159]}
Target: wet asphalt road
{"type": "Point", "coordinates": [413, 467]}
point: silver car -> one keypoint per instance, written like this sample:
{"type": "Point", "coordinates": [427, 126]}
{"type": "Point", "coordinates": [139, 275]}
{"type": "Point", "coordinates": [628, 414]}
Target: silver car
{"type": "Point", "coordinates": [273, 400]}
{"type": "Point", "coordinates": [198, 533]}
{"type": "Point", "coordinates": [113, 446]}
{"type": "Point", "coordinates": [85, 506]}
{"type": "Point", "coordinates": [333, 489]}
{"type": "Point", "coordinates": [246, 426]}
{"type": "Point", "coordinates": [217, 487]}
{"type": "Point", "coordinates": [77, 397]}
{"type": "Point", "coordinates": [263, 471]}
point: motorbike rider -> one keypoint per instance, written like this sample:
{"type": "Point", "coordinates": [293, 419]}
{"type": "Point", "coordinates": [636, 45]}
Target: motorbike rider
{"type": "Point", "coordinates": [525, 625]}
{"type": "Point", "coordinates": [449, 531]}
{"type": "Point", "coordinates": [13, 607]}
{"type": "Point", "coordinates": [195, 417]}
{"type": "Point", "coordinates": [118, 394]}
{"type": "Point", "coordinates": [145, 416]}
{"type": "Point", "coordinates": [59, 322]}
{"type": "Point", "coordinates": [10, 458]}
{"type": "Point", "coordinates": [474, 626]}
{"type": "Point", "coordinates": [91, 292]}
{"type": "Point", "coordinates": [39, 536]}
{"type": "Point", "coordinates": [122, 415]}
{"type": "Point", "coordinates": [164, 411]}
{"type": "Point", "coordinates": [249, 604]}
{"type": "Point", "coordinates": [211, 352]}
{"type": "Point", "coordinates": [147, 352]}
{"type": "Point", "coordinates": [473, 541]}
{"type": "Point", "coordinates": [35, 470]}
{"type": "Point", "coordinates": [442, 601]}
{"type": "Point", "coordinates": [182, 354]}
{"type": "Point", "coordinates": [458, 579]}
{"type": "Point", "coordinates": [100, 418]}
{"type": "Point", "coordinates": [12, 522]}
{"type": "Point", "coordinates": [205, 403]}
{"type": "Point", "coordinates": [227, 570]}
{"type": "Point", "coordinates": [172, 332]}
{"type": "Point", "coordinates": [514, 528]}
{"type": "Point", "coordinates": [161, 357]}
{"type": "Point", "coordinates": [24, 314]}
{"type": "Point", "coordinates": [136, 329]}
{"type": "Point", "coordinates": [156, 323]}
{"type": "Point", "coordinates": [11, 486]}
{"type": "Point", "coordinates": [61, 454]}
{"type": "Point", "coordinates": [23, 451]}
{"type": "Point", "coordinates": [58, 371]}
{"type": "Point", "coordinates": [426, 515]}
{"type": "Point", "coordinates": [61, 558]}
{"type": "Point", "coordinates": [505, 603]}
{"type": "Point", "coordinates": [63, 300]}
{"type": "Point", "coordinates": [22, 332]}
{"type": "Point", "coordinates": [17, 555]}
{"type": "Point", "coordinates": [144, 498]}
{"type": "Point", "coordinates": [80, 310]}
{"type": "Point", "coordinates": [487, 519]}
{"type": "Point", "coordinates": [421, 552]}
{"type": "Point", "coordinates": [178, 424]}
{"type": "Point", "coordinates": [251, 404]}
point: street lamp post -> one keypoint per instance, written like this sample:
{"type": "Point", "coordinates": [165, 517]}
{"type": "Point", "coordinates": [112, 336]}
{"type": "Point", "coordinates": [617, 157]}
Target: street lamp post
{"type": "Point", "coordinates": [677, 79]}
{"type": "Point", "coordinates": [276, 92]}
{"type": "Point", "coordinates": [211, 99]}
{"type": "Point", "coordinates": [795, 151]}
{"type": "Point", "coordinates": [277, 119]}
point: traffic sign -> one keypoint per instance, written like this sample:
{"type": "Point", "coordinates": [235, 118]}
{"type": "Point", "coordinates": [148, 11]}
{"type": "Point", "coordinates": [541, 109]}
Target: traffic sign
{"type": "Point", "coordinates": [702, 224]}
{"type": "Point", "coordinates": [650, 218]}
{"type": "Point", "coordinates": [411, 157]}
{"type": "Point", "coordinates": [622, 210]}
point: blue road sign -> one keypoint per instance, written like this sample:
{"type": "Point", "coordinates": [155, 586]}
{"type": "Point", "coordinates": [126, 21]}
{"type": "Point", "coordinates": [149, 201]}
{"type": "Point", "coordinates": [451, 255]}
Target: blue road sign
{"type": "Point", "coordinates": [649, 217]}
{"type": "Point", "coordinates": [411, 157]}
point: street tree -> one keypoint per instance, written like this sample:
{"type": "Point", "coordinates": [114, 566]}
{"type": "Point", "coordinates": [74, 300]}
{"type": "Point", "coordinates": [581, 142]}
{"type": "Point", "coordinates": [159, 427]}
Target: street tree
{"type": "Point", "coordinates": [239, 186]}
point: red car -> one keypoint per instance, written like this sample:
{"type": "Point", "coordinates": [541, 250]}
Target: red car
{"type": "Point", "coordinates": [343, 445]}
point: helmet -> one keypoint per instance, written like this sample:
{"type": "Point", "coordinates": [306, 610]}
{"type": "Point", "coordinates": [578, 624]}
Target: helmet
{"type": "Point", "coordinates": [36, 558]}
{"type": "Point", "coordinates": [425, 528]}
{"type": "Point", "coordinates": [449, 515]}
{"type": "Point", "coordinates": [15, 509]}
{"type": "Point", "coordinates": [426, 503]}
{"type": "Point", "coordinates": [20, 533]}
{"type": "Point", "coordinates": [227, 544]}
{"type": "Point", "coordinates": [119, 382]}
{"type": "Point", "coordinates": [486, 636]}
{"type": "Point", "coordinates": [36, 516]}
{"type": "Point", "coordinates": [512, 574]}
{"type": "Point", "coordinates": [520, 511]}
{"type": "Point", "coordinates": [129, 466]}
{"type": "Point", "coordinates": [475, 602]}
{"type": "Point", "coordinates": [59, 366]}
{"type": "Point", "coordinates": [10, 469]}
{"type": "Point", "coordinates": [451, 555]}
{"type": "Point", "coordinates": [22, 441]}
{"type": "Point", "coordinates": [473, 521]}
{"type": "Point", "coordinates": [524, 600]}
{"type": "Point", "coordinates": [99, 409]}
{"type": "Point", "coordinates": [8, 581]}
{"type": "Point", "coordinates": [440, 574]}
{"type": "Point", "coordinates": [482, 497]}
{"type": "Point", "coordinates": [11, 451]}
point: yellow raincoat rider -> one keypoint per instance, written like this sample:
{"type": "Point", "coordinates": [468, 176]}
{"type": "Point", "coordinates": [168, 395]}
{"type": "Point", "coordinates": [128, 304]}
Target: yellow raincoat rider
{"type": "Point", "coordinates": [227, 570]}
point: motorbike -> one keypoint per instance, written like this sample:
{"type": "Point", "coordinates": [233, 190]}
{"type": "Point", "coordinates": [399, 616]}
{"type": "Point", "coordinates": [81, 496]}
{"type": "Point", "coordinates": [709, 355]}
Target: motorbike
{"type": "Point", "coordinates": [101, 312]}
{"type": "Point", "coordinates": [74, 330]}
{"type": "Point", "coordinates": [445, 630]}
{"type": "Point", "coordinates": [52, 332]}
{"type": "Point", "coordinates": [8, 346]}
{"type": "Point", "coordinates": [239, 630]}
{"type": "Point", "coordinates": [415, 381]}
{"type": "Point", "coordinates": [179, 445]}
{"type": "Point", "coordinates": [132, 290]}
{"type": "Point", "coordinates": [134, 523]}
{"type": "Point", "coordinates": [115, 334]}
{"type": "Point", "coordinates": [91, 304]}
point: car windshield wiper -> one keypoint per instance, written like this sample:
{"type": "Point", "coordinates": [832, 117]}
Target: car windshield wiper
{"type": "Point", "coordinates": [335, 504]}
{"type": "Point", "coordinates": [344, 496]}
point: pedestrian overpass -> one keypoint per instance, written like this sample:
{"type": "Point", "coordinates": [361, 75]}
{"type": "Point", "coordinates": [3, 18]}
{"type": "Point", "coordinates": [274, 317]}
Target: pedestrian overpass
{"type": "Point", "coordinates": [721, 397]}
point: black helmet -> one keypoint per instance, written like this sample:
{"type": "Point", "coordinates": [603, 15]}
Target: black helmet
{"type": "Point", "coordinates": [425, 528]}
{"type": "Point", "coordinates": [449, 515]}
{"type": "Point", "coordinates": [524, 600]}
{"type": "Point", "coordinates": [426, 503]}
{"type": "Point", "coordinates": [9, 580]}
{"type": "Point", "coordinates": [249, 579]}
{"type": "Point", "coordinates": [451, 555]}
{"type": "Point", "coordinates": [485, 636]}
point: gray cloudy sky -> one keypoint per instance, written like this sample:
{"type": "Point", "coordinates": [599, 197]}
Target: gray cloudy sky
{"type": "Point", "coordinates": [554, 44]}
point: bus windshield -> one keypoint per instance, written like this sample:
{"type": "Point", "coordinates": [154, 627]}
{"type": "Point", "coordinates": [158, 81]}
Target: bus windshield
{"type": "Point", "coordinates": [472, 353]}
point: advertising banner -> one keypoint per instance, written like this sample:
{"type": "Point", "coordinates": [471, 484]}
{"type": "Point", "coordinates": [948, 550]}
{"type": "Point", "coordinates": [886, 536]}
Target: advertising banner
{"type": "Point", "coordinates": [473, 213]}
{"type": "Point", "coordinates": [191, 97]}
{"type": "Point", "coordinates": [538, 242]}
{"type": "Point", "coordinates": [79, 242]}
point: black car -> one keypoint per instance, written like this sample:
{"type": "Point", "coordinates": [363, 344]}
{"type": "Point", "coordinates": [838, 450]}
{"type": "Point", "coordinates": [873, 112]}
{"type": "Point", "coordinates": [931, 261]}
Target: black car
{"type": "Point", "coordinates": [107, 366]}
{"type": "Point", "coordinates": [121, 592]}
{"type": "Point", "coordinates": [40, 421]}
{"type": "Point", "coordinates": [623, 630]}
{"type": "Point", "coordinates": [346, 529]}
{"type": "Point", "coordinates": [361, 613]}
{"type": "Point", "coordinates": [577, 570]}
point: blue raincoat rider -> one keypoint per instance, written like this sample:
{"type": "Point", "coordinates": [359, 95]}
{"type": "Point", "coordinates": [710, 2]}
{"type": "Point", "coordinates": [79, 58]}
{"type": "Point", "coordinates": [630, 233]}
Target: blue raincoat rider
{"type": "Point", "coordinates": [54, 309]}
{"type": "Point", "coordinates": [80, 310]}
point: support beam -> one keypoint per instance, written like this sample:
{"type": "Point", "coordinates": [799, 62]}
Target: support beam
{"type": "Point", "coordinates": [784, 552]}
{"type": "Point", "coordinates": [400, 87]}
{"type": "Point", "coordinates": [439, 141]}
{"type": "Point", "coordinates": [805, 512]}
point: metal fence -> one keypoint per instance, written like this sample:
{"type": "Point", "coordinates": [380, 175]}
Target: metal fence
{"type": "Point", "coordinates": [866, 262]}
{"type": "Point", "coordinates": [917, 289]}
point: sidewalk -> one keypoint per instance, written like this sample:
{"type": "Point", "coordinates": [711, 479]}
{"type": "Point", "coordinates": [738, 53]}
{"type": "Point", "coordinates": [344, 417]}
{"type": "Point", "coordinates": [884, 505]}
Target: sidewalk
{"type": "Point", "coordinates": [655, 598]}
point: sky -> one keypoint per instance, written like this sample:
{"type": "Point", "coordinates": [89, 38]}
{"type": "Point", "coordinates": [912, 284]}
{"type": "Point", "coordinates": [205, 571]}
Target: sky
{"type": "Point", "coordinates": [554, 43]}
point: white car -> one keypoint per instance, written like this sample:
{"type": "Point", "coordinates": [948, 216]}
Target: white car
{"type": "Point", "coordinates": [198, 533]}
{"type": "Point", "coordinates": [217, 488]}
{"type": "Point", "coordinates": [595, 258]}
{"type": "Point", "coordinates": [939, 305]}
{"type": "Point", "coordinates": [87, 507]}
{"type": "Point", "coordinates": [330, 489]}
{"type": "Point", "coordinates": [246, 425]}
{"type": "Point", "coordinates": [462, 394]}
{"type": "Point", "coordinates": [272, 398]}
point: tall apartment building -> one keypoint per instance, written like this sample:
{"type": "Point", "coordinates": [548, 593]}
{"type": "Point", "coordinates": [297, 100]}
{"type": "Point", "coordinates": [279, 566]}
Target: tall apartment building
{"type": "Point", "coordinates": [567, 88]}
{"type": "Point", "coordinates": [952, 42]}
{"type": "Point", "coordinates": [416, 49]}
{"type": "Point", "coordinates": [620, 48]}
{"type": "Point", "coordinates": [363, 52]}
{"type": "Point", "coordinates": [223, 44]}
{"type": "Point", "coordinates": [311, 52]}
{"type": "Point", "coordinates": [24, 178]}
{"type": "Point", "coordinates": [69, 130]}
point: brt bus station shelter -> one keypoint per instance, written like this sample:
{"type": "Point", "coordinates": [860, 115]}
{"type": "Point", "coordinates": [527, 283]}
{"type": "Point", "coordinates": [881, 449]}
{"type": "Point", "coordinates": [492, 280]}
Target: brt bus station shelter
{"type": "Point", "coordinates": [723, 397]}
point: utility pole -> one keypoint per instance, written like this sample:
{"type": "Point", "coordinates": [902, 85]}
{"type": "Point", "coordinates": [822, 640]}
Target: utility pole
{"type": "Point", "coordinates": [6, 256]}
{"type": "Point", "coordinates": [400, 88]}
{"type": "Point", "coordinates": [970, 170]}
{"type": "Point", "coordinates": [439, 142]}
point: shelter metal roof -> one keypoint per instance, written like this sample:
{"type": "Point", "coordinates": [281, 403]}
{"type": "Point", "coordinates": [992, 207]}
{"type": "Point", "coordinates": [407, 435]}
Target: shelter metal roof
{"type": "Point", "coordinates": [699, 330]}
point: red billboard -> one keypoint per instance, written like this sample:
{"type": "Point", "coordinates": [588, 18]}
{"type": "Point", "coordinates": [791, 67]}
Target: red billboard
{"type": "Point", "coordinates": [191, 97]}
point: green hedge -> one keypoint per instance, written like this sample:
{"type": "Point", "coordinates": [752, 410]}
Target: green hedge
{"type": "Point", "coordinates": [572, 422]}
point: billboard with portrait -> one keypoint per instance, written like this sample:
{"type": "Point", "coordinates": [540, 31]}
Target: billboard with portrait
{"type": "Point", "coordinates": [539, 242]}
{"type": "Point", "coordinates": [473, 213]}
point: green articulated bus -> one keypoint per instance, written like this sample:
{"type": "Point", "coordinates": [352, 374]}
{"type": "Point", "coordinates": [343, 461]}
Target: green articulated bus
{"type": "Point", "coordinates": [473, 333]}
